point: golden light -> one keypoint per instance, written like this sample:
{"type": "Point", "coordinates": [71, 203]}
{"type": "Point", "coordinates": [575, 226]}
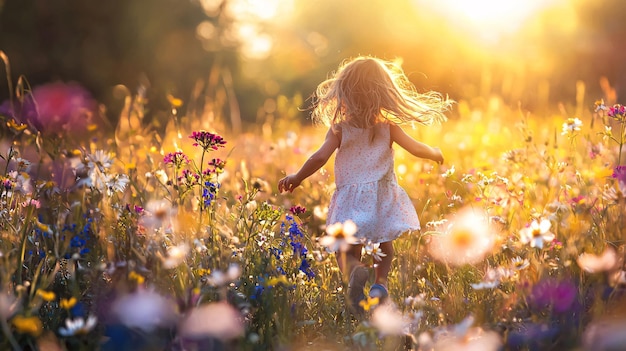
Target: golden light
{"type": "Point", "coordinates": [489, 19]}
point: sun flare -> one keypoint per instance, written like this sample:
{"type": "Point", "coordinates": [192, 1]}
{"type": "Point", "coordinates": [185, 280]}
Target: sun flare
{"type": "Point", "coordinates": [490, 18]}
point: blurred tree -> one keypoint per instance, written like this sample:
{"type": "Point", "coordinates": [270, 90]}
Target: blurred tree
{"type": "Point", "coordinates": [101, 44]}
{"type": "Point", "coordinates": [203, 51]}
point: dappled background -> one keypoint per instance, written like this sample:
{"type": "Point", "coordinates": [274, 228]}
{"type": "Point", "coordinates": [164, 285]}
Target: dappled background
{"type": "Point", "coordinates": [528, 52]}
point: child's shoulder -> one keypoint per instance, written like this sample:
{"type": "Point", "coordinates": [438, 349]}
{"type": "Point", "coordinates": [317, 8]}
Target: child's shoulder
{"type": "Point", "coordinates": [336, 129]}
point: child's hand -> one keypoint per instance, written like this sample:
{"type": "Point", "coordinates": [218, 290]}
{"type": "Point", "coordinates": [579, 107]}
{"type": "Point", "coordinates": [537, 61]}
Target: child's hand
{"type": "Point", "coordinates": [438, 155]}
{"type": "Point", "coordinates": [288, 183]}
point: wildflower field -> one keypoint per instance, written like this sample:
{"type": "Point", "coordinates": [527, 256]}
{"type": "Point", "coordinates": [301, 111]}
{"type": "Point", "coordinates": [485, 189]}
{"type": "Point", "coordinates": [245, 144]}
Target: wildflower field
{"type": "Point", "coordinates": [143, 237]}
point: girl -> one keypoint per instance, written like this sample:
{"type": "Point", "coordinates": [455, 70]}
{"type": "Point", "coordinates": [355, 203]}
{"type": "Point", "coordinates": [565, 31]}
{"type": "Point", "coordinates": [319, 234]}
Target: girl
{"type": "Point", "coordinates": [364, 103]}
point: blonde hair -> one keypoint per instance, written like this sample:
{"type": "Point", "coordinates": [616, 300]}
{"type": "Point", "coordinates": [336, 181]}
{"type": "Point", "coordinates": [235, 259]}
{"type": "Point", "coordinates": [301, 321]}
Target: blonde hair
{"type": "Point", "coordinates": [368, 90]}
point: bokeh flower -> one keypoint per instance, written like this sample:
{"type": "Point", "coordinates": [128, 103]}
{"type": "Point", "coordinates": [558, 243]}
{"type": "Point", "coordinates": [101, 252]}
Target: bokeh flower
{"type": "Point", "coordinates": [557, 295]}
{"type": "Point", "coordinates": [591, 263]}
{"type": "Point", "coordinates": [175, 256]}
{"type": "Point", "coordinates": [537, 233]}
{"type": "Point", "coordinates": [475, 339]}
{"type": "Point", "coordinates": [219, 278]}
{"type": "Point", "coordinates": [339, 236]}
{"type": "Point", "coordinates": [388, 320]}
{"type": "Point", "coordinates": [320, 212]}
{"type": "Point", "coordinates": [57, 108]}
{"type": "Point", "coordinates": [145, 310]}
{"type": "Point", "coordinates": [465, 238]}
{"type": "Point", "coordinates": [158, 214]}
{"type": "Point", "coordinates": [218, 320]}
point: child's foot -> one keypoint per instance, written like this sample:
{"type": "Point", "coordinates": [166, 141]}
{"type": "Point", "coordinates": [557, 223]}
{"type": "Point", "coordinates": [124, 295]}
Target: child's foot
{"type": "Point", "coordinates": [358, 278]}
{"type": "Point", "coordinates": [379, 291]}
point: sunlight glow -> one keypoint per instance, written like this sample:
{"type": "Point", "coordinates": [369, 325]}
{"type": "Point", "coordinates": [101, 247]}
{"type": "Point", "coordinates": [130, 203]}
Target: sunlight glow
{"type": "Point", "coordinates": [248, 22]}
{"type": "Point", "coordinates": [489, 18]}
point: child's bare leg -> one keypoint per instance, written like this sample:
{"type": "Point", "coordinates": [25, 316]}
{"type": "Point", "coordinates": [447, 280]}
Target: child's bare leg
{"type": "Point", "coordinates": [382, 267]}
{"type": "Point", "coordinates": [356, 278]}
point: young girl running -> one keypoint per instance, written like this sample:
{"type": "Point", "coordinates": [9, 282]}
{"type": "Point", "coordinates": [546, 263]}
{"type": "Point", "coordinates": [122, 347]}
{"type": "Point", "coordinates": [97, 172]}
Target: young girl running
{"type": "Point", "coordinates": [364, 103]}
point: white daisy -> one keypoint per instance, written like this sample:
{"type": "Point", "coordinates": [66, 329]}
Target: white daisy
{"type": "Point", "coordinates": [571, 125]}
{"type": "Point", "coordinates": [519, 263]}
{"type": "Point", "coordinates": [78, 326]}
{"type": "Point", "coordinates": [117, 184]}
{"type": "Point", "coordinates": [373, 250]}
{"type": "Point", "coordinates": [340, 236]}
{"type": "Point", "coordinates": [537, 233]}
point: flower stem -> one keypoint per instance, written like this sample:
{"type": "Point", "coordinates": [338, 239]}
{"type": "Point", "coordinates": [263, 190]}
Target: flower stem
{"type": "Point", "coordinates": [201, 184]}
{"type": "Point", "coordinates": [20, 259]}
{"type": "Point", "coordinates": [621, 143]}
{"type": "Point", "coordinates": [7, 332]}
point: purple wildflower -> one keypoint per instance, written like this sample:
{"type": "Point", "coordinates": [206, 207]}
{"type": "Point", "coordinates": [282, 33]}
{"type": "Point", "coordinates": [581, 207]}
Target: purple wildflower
{"type": "Point", "coordinates": [207, 141]}
{"type": "Point", "coordinates": [297, 210]}
{"type": "Point", "coordinates": [218, 164]}
{"type": "Point", "coordinates": [551, 293]}
{"type": "Point", "coordinates": [617, 112]}
{"type": "Point", "coordinates": [177, 159]}
{"type": "Point", "coordinates": [619, 173]}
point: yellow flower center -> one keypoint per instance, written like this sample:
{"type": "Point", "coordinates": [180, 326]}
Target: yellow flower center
{"type": "Point", "coordinates": [339, 235]}
{"type": "Point", "coordinates": [536, 233]}
{"type": "Point", "coordinates": [462, 238]}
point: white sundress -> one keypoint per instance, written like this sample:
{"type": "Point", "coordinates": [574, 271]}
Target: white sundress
{"type": "Point", "coordinates": [367, 191]}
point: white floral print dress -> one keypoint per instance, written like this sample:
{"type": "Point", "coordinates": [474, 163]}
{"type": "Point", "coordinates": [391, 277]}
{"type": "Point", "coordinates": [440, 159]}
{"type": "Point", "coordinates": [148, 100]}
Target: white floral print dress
{"type": "Point", "coordinates": [367, 191]}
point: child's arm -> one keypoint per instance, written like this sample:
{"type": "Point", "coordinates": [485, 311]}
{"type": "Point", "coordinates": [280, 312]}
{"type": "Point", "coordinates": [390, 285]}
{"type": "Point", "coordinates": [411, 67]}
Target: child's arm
{"type": "Point", "coordinates": [413, 146]}
{"type": "Point", "coordinates": [315, 162]}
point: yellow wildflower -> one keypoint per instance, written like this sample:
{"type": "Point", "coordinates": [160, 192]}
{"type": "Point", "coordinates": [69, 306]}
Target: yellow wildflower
{"type": "Point", "coordinates": [369, 302]}
{"type": "Point", "coordinates": [175, 102]}
{"type": "Point", "coordinates": [46, 295]}
{"type": "Point", "coordinates": [15, 126]}
{"type": "Point", "coordinates": [276, 280]}
{"type": "Point", "coordinates": [202, 271]}
{"type": "Point", "coordinates": [43, 227]}
{"type": "Point", "coordinates": [27, 325]}
{"type": "Point", "coordinates": [136, 277]}
{"type": "Point", "coordinates": [68, 303]}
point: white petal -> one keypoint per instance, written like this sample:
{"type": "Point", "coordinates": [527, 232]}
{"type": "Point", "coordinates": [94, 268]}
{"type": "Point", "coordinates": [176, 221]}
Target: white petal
{"type": "Point", "coordinates": [544, 226]}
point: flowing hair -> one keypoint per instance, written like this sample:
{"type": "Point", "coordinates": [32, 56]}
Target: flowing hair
{"type": "Point", "coordinates": [368, 90]}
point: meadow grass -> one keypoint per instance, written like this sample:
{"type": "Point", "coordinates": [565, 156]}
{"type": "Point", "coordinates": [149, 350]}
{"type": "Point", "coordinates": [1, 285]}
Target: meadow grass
{"type": "Point", "coordinates": [176, 239]}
